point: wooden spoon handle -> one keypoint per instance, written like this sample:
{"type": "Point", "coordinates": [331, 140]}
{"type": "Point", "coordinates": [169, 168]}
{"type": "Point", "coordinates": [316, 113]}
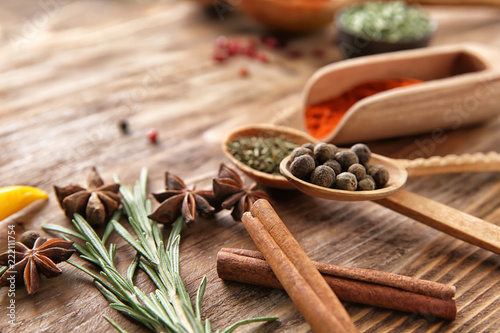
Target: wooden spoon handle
{"type": "Point", "coordinates": [460, 2]}
{"type": "Point", "coordinates": [446, 219]}
{"type": "Point", "coordinates": [437, 2]}
{"type": "Point", "coordinates": [478, 162]}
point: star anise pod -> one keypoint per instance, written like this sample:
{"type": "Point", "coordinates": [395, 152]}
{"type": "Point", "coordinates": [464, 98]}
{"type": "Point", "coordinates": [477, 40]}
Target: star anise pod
{"type": "Point", "coordinates": [30, 263]}
{"type": "Point", "coordinates": [179, 200]}
{"type": "Point", "coordinates": [96, 203]}
{"type": "Point", "coordinates": [231, 191]}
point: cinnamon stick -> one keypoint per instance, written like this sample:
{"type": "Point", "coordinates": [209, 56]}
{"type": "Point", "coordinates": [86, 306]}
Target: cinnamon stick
{"type": "Point", "coordinates": [295, 271]}
{"type": "Point", "coordinates": [391, 291]}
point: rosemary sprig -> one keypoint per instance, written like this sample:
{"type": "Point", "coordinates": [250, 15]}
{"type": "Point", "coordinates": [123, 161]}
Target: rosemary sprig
{"type": "Point", "coordinates": [169, 308]}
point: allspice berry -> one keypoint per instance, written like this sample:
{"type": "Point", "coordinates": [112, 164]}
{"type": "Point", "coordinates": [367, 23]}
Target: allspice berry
{"type": "Point", "coordinates": [309, 145]}
{"type": "Point", "coordinates": [302, 167]}
{"type": "Point", "coordinates": [380, 175]}
{"type": "Point", "coordinates": [366, 184]}
{"type": "Point", "coordinates": [346, 181]}
{"type": "Point", "coordinates": [28, 238]}
{"type": "Point", "coordinates": [299, 151]}
{"type": "Point", "coordinates": [324, 152]}
{"type": "Point", "coordinates": [346, 158]}
{"type": "Point", "coordinates": [358, 170]}
{"type": "Point", "coordinates": [323, 176]}
{"type": "Point", "coordinates": [363, 152]}
{"type": "Point", "coordinates": [334, 165]}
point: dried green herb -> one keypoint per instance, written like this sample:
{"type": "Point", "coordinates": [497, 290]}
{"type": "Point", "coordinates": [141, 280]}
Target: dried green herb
{"type": "Point", "coordinates": [262, 154]}
{"type": "Point", "coordinates": [387, 21]}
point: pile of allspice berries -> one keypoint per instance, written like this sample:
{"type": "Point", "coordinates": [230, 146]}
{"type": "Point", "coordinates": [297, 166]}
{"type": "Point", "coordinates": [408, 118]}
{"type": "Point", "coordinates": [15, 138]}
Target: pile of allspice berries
{"type": "Point", "coordinates": [325, 165]}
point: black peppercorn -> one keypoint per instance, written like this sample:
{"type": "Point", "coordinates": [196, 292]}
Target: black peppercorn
{"type": "Point", "coordinates": [302, 167]}
{"type": "Point", "coordinates": [366, 184]}
{"type": "Point", "coordinates": [299, 151]}
{"type": "Point", "coordinates": [334, 165]}
{"type": "Point", "coordinates": [123, 124]}
{"type": "Point", "coordinates": [380, 175]}
{"type": "Point", "coordinates": [323, 176]}
{"type": "Point", "coordinates": [346, 158]}
{"type": "Point", "coordinates": [363, 152]}
{"type": "Point", "coordinates": [346, 181]}
{"type": "Point", "coordinates": [324, 152]}
{"type": "Point", "coordinates": [358, 170]}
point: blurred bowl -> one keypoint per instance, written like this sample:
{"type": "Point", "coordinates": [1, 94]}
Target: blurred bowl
{"type": "Point", "coordinates": [353, 45]}
{"type": "Point", "coordinates": [291, 15]}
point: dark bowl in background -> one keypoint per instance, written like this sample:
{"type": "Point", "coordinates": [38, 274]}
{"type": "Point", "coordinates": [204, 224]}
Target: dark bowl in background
{"type": "Point", "coordinates": [353, 46]}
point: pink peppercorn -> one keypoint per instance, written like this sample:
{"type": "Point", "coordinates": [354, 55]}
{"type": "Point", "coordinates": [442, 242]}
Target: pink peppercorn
{"type": "Point", "coordinates": [152, 135]}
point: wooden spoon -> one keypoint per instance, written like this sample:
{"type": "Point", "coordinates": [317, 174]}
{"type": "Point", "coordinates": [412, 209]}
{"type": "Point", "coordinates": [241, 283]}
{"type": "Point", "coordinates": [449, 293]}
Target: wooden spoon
{"type": "Point", "coordinates": [434, 214]}
{"type": "Point", "coordinates": [441, 217]}
{"type": "Point", "coordinates": [399, 170]}
{"type": "Point", "coordinates": [265, 131]}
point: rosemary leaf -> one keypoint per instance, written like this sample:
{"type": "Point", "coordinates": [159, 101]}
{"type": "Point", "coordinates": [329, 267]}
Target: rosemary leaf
{"type": "Point", "coordinates": [95, 277]}
{"type": "Point", "coordinates": [106, 293]}
{"type": "Point", "coordinates": [3, 269]}
{"type": "Point", "coordinates": [153, 275]}
{"type": "Point", "coordinates": [91, 259]}
{"type": "Point", "coordinates": [115, 325]}
{"type": "Point", "coordinates": [199, 296]}
{"type": "Point", "coordinates": [132, 269]}
{"type": "Point", "coordinates": [131, 240]}
{"type": "Point", "coordinates": [148, 322]}
{"type": "Point", "coordinates": [110, 226]}
{"type": "Point", "coordinates": [63, 230]}
{"type": "Point", "coordinates": [112, 252]}
{"type": "Point", "coordinates": [92, 238]}
{"type": "Point", "coordinates": [246, 322]}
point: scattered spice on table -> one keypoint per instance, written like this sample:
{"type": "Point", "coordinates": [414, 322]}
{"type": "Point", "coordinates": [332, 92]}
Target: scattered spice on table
{"type": "Point", "coordinates": [41, 259]}
{"type": "Point", "coordinates": [232, 193]}
{"type": "Point", "coordinates": [327, 166]}
{"type": "Point", "coordinates": [322, 118]}
{"type": "Point", "coordinates": [97, 203]}
{"type": "Point", "coordinates": [152, 136]}
{"type": "Point", "coordinates": [179, 200]}
{"type": "Point", "coordinates": [124, 127]}
{"type": "Point", "coordinates": [228, 192]}
{"type": "Point", "coordinates": [168, 308]}
{"type": "Point", "coordinates": [226, 48]}
{"type": "Point", "coordinates": [243, 72]}
{"type": "Point", "coordinates": [262, 154]}
{"type": "Point", "coordinates": [29, 238]}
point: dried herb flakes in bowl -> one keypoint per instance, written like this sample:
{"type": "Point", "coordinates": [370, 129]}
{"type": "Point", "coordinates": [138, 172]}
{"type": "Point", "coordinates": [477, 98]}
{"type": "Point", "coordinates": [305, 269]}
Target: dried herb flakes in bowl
{"type": "Point", "coordinates": [262, 154]}
{"type": "Point", "coordinates": [392, 21]}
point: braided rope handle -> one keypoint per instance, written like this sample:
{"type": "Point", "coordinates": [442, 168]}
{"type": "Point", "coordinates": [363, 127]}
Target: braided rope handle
{"type": "Point", "coordinates": [478, 162]}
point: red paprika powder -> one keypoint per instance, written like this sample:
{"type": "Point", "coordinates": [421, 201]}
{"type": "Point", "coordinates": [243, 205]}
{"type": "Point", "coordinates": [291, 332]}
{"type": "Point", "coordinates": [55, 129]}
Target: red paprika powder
{"type": "Point", "coordinates": [323, 117]}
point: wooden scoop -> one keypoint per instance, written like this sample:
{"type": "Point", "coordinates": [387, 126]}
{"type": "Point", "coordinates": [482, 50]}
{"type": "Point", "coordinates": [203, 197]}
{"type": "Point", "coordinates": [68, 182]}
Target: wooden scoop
{"type": "Point", "coordinates": [459, 89]}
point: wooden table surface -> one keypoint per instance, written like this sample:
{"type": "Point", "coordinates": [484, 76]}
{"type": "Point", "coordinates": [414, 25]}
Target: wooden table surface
{"type": "Point", "coordinates": [70, 71]}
